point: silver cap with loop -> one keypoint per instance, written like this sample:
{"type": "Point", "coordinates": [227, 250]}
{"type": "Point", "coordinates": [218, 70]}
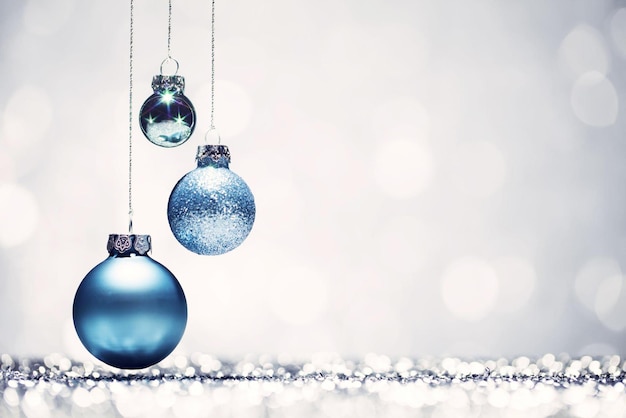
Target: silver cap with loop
{"type": "Point", "coordinates": [172, 82]}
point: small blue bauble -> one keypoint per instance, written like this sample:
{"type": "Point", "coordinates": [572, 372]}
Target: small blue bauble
{"type": "Point", "coordinates": [130, 311]}
{"type": "Point", "coordinates": [167, 118]}
{"type": "Point", "coordinates": [211, 209]}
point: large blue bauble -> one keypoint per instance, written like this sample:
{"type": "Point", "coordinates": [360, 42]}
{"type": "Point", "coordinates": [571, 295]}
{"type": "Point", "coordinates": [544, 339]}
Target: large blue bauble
{"type": "Point", "coordinates": [130, 311]}
{"type": "Point", "coordinates": [211, 210]}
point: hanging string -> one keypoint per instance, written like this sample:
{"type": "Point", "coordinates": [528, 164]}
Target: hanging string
{"type": "Point", "coordinates": [169, 59]}
{"type": "Point", "coordinates": [130, 123]}
{"type": "Point", "coordinates": [169, 30]}
{"type": "Point", "coordinates": [212, 127]}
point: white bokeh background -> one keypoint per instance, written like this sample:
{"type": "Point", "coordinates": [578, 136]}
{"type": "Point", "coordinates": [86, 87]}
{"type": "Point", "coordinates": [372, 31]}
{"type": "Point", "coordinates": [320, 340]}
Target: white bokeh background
{"type": "Point", "coordinates": [432, 178]}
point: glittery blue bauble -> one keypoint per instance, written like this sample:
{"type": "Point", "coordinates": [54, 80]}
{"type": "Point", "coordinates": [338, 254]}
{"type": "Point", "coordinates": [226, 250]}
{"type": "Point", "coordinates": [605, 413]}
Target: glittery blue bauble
{"type": "Point", "coordinates": [167, 118]}
{"type": "Point", "coordinates": [211, 209]}
{"type": "Point", "coordinates": [130, 311]}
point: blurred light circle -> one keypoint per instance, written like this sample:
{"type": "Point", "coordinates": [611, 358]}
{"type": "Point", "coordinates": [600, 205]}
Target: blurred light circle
{"type": "Point", "coordinates": [11, 397]}
{"type": "Point", "coordinates": [479, 168]}
{"type": "Point", "coordinates": [522, 398]}
{"type": "Point", "coordinates": [19, 215]}
{"type": "Point", "coordinates": [403, 244]}
{"type": "Point", "coordinates": [35, 405]}
{"type": "Point", "coordinates": [610, 302]}
{"type": "Point", "coordinates": [140, 402]}
{"type": "Point", "coordinates": [608, 293]}
{"type": "Point", "coordinates": [469, 288]}
{"type": "Point", "coordinates": [594, 100]}
{"type": "Point", "coordinates": [591, 275]}
{"type": "Point", "coordinates": [516, 277]}
{"type": "Point", "coordinates": [618, 31]}
{"type": "Point", "coordinates": [26, 118]}
{"type": "Point", "coordinates": [499, 398]}
{"type": "Point", "coordinates": [42, 17]}
{"type": "Point", "coordinates": [402, 168]}
{"type": "Point", "coordinates": [298, 295]}
{"type": "Point", "coordinates": [584, 50]}
{"type": "Point", "coordinates": [81, 397]}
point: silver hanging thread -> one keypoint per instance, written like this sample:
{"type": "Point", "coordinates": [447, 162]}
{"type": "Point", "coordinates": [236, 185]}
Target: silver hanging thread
{"type": "Point", "coordinates": [169, 29]}
{"type": "Point", "coordinates": [130, 123]}
{"type": "Point", "coordinates": [212, 127]}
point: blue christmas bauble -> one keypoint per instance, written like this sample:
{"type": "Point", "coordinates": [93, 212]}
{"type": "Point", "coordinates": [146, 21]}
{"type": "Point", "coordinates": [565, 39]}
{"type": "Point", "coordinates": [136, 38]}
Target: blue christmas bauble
{"type": "Point", "coordinates": [167, 117]}
{"type": "Point", "coordinates": [211, 209]}
{"type": "Point", "coordinates": [130, 311]}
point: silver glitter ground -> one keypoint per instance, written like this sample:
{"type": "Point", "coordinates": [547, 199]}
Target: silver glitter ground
{"type": "Point", "coordinates": [326, 386]}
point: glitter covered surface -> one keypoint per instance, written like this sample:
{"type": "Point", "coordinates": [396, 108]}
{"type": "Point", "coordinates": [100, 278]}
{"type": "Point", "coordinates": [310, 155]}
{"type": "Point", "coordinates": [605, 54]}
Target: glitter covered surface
{"type": "Point", "coordinates": [325, 385]}
{"type": "Point", "coordinates": [211, 210]}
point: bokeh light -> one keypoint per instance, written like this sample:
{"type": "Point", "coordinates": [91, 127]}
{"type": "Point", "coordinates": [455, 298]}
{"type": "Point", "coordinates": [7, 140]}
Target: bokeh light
{"type": "Point", "coordinates": [584, 50]}
{"type": "Point", "coordinates": [610, 303]}
{"type": "Point", "coordinates": [591, 275]}
{"type": "Point", "coordinates": [618, 31]}
{"type": "Point", "coordinates": [594, 100]}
